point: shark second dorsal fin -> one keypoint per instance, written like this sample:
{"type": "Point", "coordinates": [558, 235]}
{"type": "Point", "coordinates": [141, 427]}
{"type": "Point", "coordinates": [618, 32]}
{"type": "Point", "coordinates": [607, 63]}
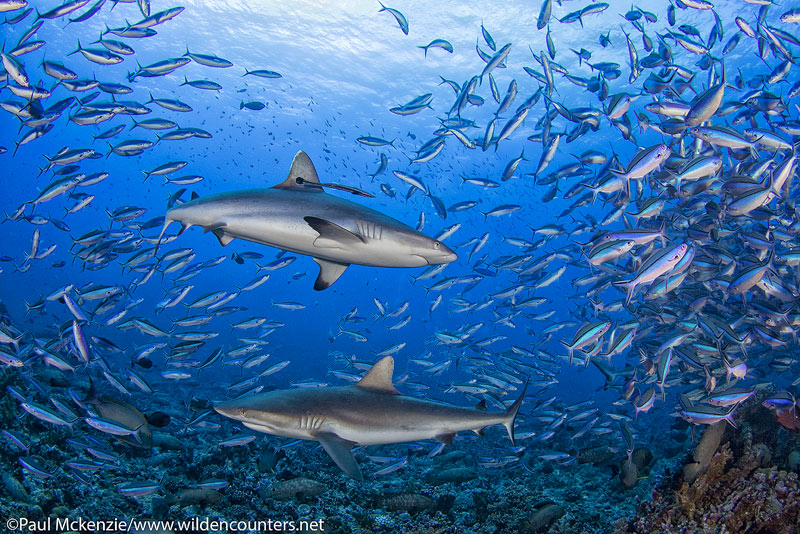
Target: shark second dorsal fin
{"type": "Point", "coordinates": [302, 168]}
{"type": "Point", "coordinates": [379, 378]}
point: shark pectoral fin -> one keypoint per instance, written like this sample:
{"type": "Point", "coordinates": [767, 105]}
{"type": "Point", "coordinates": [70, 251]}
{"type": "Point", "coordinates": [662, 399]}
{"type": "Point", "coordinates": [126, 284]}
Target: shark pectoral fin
{"type": "Point", "coordinates": [329, 272]}
{"type": "Point", "coordinates": [339, 450]}
{"type": "Point", "coordinates": [332, 235]}
{"type": "Point", "coordinates": [447, 439]}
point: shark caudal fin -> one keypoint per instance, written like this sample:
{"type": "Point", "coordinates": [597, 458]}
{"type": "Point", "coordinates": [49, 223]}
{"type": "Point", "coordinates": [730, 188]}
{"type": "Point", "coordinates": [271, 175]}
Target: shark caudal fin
{"type": "Point", "coordinates": [301, 172]}
{"type": "Point", "coordinates": [511, 414]}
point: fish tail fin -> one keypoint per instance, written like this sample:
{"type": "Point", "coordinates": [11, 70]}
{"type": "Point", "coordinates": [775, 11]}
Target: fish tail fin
{"type": "Point", "coordinates": [167, 222]}
{"type": "Point", "coordinates": [77, 49]}
{"type": "Point", "coordinates": [729, 419]}
{"type": "Point", "coordinates": [91, 396]}
{"type": "Point", "coordinates": [568, 349]}
{"type": "Point", "coordinates": [511, 414]}
{"type": "Point", "coordinates": [628, 287]}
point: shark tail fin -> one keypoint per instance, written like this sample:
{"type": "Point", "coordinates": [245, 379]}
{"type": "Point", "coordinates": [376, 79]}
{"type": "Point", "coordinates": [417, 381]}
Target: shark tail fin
{"type": "Point", "coordinates": [511, 414]}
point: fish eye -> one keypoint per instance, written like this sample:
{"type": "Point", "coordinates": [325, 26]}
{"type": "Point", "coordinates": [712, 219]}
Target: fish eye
{"type": "Point", "coordinates": [242, 412]}
{"type": "Point", "coordinates": [436, 245]}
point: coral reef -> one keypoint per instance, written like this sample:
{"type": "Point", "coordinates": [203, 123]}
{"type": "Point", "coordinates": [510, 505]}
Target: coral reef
{"type": "Point", "coordinates": [735, 481]}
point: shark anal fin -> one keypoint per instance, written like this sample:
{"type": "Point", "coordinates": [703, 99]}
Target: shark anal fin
{"type": "Point", "coordinates": [339, 450]}
{"type": "Point", "coordinates": [329, 272]}
{"type": "Point", "coordinates": [379, 377]}
{"type": "Point", "coordinates": [331, 235]}
{"type": "Point", "coordinates": [223, 238]}
{"type": "Point", "coordinates": [447, 439]}
{"type": "Point", "coordinates": [303, 168]}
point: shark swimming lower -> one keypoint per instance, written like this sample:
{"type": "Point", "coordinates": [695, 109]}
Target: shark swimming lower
{"type": "Point", "coordinates": [371, 412]}
{"type": "Point", "coordinates": [299, 216]}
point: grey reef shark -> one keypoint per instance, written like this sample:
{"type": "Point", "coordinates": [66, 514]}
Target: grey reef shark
{"type": "Point", "coordinates": [299, 216]}
{"type": "Point", "coordinates": [370, 412]}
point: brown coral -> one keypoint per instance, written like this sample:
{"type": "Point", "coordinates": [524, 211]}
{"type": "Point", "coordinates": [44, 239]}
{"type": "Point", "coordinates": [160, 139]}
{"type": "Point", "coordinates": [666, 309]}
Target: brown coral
{"type": "Point", "coordinates": [732, 496]}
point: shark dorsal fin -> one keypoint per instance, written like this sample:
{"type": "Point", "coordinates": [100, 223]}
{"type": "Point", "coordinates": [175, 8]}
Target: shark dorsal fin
{"type": "Point", "coordinates": [379, 378]}
{"type": "Point", "coordinates": [303, 168]}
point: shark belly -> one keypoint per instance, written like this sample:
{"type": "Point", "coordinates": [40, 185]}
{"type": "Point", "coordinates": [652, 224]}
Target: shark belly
{"type": "Point", "coordinates": [280, 219]}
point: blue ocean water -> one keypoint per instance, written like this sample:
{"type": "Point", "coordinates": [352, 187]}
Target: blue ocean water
{"type": "Point", "coordinates": [339, 68]}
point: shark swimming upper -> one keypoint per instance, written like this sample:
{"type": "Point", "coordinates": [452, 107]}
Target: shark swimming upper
{"type": "Point", "coordinates": [299, 216]}
{"type": "Point", "coordinates": [370, 412]}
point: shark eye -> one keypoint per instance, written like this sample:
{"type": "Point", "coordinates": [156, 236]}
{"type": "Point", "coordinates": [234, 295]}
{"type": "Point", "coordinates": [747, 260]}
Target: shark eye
{"type": "Point", "coordinates": [436, 245]}
{"type": "Point", "coordinates": [242, 412]}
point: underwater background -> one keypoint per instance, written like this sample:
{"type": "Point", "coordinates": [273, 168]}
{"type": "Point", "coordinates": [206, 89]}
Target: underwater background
{"type": "Point", "coordinates": [646, 295]}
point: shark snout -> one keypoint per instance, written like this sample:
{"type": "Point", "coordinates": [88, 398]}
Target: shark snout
{"type": "Point", "coordinates": [228, 409]}
{"type": "Point", "coordinates": [443, 254]}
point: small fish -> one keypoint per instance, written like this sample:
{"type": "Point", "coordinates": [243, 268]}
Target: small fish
{"type": "Point", "coordinates": [438, 43]}
{"type": "Point", "coordinates": [237, 441]}
{"type": "Point", "coordinates": [399, 17]}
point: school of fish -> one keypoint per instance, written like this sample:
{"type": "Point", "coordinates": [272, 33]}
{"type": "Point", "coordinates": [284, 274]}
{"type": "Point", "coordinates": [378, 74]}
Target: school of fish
{"type": "Point", "coordinates": [682, 295]}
